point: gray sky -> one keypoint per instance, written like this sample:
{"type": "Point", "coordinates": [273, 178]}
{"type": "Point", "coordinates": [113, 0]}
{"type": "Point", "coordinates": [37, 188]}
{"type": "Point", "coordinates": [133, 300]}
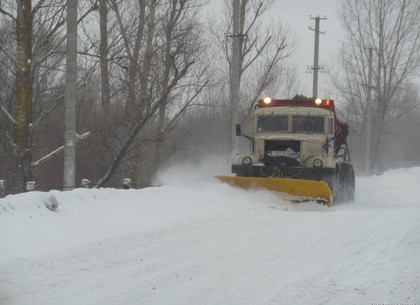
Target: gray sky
{"type": "Point", "coordinates": [296, 14]}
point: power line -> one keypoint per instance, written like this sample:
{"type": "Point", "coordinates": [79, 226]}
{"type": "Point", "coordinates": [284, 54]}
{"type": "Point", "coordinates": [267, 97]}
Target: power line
{"type": "Point", "coordinates": [335, 36]}
{"type": "Point", "coordinates": [292, 11]}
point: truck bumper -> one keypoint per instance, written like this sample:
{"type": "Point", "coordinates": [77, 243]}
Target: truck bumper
{"type": "Point", "coordinates": [304, 173]}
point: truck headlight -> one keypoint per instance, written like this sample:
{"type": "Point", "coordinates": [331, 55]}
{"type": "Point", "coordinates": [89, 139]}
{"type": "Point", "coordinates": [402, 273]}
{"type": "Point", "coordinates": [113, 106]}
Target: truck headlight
{"type": "Point", "coordinates": [247, 161]}
{"type": "Point", "coordinates": [317, 163]}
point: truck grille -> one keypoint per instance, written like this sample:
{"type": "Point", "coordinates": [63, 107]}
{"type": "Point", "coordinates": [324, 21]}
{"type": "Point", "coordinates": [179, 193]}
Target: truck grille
{"type": "Point", "coordinates": [282, 153]}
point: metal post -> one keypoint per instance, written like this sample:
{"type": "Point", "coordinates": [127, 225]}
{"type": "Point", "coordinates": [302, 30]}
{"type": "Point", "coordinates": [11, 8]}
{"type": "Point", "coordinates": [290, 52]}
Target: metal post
{"type": "Point", "coordinates": [2, 188]}
{"type": "Point", "coordinates": [126, 183]}
{"type": "Point", "coordinates": [85, 183]}
{"type": "Point", "coordinates": [30, 186]}
{"type": "Point", "coordinates": [235, 76]}
{"type": "Point", "coordinates": [70, 98]}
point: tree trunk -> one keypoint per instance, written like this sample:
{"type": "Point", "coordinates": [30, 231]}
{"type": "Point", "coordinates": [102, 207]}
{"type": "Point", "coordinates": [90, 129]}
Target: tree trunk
{"type": "Point", "coordinates": [144, 85]}
{"type": "Point", "coordinates": [103, 53]}
{"type": "Point", "coordinates": [134, 59]}
{"type": "Point", "coordinates": [170, 28]}
{"type": "Point", "coordinates": [23, 159]}
{"type": "Point", "coordinates": [235, 74]}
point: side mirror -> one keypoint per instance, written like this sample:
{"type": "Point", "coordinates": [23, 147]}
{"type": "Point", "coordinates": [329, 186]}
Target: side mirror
{"type": "Point", "coordinates": [238, 130]}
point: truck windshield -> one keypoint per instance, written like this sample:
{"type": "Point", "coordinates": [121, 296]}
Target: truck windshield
{"type": "Point", "coordinates": [308, 124]}
{"type": "Point", "coordinates": [270, 123]}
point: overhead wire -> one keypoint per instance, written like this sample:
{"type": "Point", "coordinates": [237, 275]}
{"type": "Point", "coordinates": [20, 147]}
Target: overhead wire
{"type": "Point", "coordinates": [293, 11]}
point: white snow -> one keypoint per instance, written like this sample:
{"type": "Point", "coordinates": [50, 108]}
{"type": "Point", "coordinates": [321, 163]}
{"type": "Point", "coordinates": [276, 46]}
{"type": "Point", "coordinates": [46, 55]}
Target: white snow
{"type": "Point", "coordinates": [193, 240]}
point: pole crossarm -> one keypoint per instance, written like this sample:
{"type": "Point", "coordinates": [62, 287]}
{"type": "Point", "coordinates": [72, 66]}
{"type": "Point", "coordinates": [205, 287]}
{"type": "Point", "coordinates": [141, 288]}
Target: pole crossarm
{"type": "Point", "coordinates": [8, 115]}
{"type": "Point", "coordinates": [56, 151]}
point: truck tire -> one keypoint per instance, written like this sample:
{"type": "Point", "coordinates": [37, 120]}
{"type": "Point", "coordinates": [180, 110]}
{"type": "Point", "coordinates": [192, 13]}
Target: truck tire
{"type": "Point", "coordinates": [346, 182]}
{"type": "Point", "coordinates": [350, 184]}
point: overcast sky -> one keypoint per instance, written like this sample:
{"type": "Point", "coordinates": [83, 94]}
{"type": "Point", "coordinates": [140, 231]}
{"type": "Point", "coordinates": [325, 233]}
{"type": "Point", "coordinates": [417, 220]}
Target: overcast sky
{"type": "Point", "coordinates": [297, 15]}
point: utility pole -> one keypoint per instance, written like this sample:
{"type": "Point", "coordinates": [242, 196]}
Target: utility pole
{"type": "Point", "coordinates": [316, 67]}
{"type": "Point", "coordinates": [369, 113]}
{"type": "Point", "coordinates": [69, 175]}
{"type": "Point", "coordinates": [235, 77]}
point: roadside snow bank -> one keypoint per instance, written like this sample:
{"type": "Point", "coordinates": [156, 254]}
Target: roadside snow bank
{"type": "Point", "coordinates": [28, 227]}
{"type": "Point", "coordinates": [393, 188]}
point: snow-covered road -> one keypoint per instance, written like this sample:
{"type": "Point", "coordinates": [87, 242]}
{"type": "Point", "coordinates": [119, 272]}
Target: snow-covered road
{"type": "Point", "coordinates": [196, 241]}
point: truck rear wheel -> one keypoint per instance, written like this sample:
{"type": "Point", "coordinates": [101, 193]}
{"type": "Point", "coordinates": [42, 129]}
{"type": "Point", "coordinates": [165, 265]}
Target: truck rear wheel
{"type": "Point", "coordinates": [345, 183]}
{"type": "Point", "coordinates": [350, 184]}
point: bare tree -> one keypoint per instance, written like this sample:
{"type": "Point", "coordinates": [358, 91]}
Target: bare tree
{"type": "Point", "coordinates": [392, 29]}
{"type": "Point", "coordinates": [163, 65]}
{"type": "Point", "coordinates": [23, 14]}
{"type": "Point", "coordinates": [37, 61]}
{"type": "Point", "coordinates": [181, 50]}
{"type": "Point", "coordinates": [264, 50]}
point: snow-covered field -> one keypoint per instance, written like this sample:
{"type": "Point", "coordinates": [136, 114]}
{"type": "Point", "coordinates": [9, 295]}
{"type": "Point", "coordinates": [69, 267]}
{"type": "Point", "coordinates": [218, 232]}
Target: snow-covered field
{"type": "Point", "coordinates": [196, 241]}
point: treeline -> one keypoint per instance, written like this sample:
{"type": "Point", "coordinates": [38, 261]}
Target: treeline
{"type": "Point", "coordinates": [147, 70]}
{"type": "Point", "coordinates": [153, 81]}
{"type": "Point", "coordinates": [390, 32]}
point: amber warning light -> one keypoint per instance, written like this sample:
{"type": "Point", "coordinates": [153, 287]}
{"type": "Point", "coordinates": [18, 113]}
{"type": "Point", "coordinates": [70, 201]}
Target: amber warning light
{"type": "Point", "coordinates": [269, 102]}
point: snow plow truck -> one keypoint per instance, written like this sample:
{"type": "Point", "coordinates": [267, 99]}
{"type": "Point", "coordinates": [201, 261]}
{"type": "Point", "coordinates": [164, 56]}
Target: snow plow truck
{"type": "Point", "coordinates": [299, 148]}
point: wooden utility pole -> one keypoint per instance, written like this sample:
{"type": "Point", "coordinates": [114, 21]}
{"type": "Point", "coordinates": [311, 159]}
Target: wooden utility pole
{"type": "Point", "coordinates": [235, 77]}
{"type": "Point", "coordinates": [69, 175]}
{"type": "Point", "coordinates": [316, 66]}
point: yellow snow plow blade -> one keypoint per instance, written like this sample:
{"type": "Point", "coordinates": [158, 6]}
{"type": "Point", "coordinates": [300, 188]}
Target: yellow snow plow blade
{"type": "Point", "coordinates": [298, 189]}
